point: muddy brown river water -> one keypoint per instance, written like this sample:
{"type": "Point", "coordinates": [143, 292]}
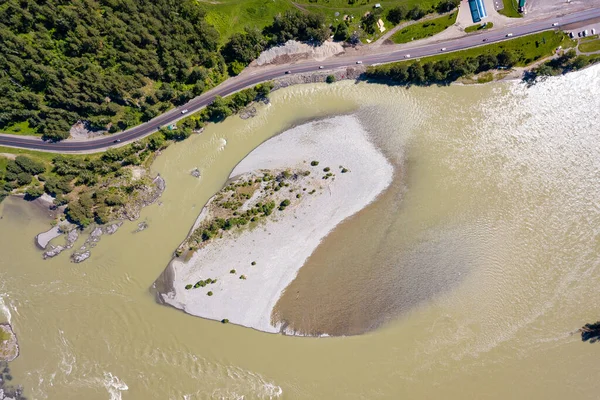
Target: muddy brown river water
{"type": "Point", "coordinates": [466, 279]}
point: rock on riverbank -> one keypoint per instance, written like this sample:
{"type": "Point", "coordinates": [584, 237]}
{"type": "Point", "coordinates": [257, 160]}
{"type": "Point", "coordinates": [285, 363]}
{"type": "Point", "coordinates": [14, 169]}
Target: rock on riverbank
{"type": "Point", "coordinates": [9, 348]}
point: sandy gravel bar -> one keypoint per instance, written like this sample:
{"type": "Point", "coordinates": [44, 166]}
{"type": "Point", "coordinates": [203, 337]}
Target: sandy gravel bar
{"type": "Point", "coordinates": [282, 245]}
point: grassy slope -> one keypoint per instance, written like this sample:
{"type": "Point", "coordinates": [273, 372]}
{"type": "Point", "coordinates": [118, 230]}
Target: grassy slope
{"type": "Point", "coordinates": [22, 128]}
{"type": "Point", "coordinates": [424, 29]}
{"type": "Point", "coordinates": [479, 27]}
{"type": "Point", "coordinates": [527, 48]}
{"type": "Point", "coordinates": [230, 16]}
{"type": "Point", "coordinates": [589, 44]}
{"type": "Point", "coordinates": [510, 9]}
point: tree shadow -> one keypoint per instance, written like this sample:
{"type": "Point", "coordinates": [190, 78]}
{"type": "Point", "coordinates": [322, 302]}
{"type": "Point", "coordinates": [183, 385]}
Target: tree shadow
{"type": "Point", "coordinates": [590, 332]}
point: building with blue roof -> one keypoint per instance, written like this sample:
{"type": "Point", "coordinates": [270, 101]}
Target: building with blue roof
{"type": "Point", "coordinates": [477, 10]}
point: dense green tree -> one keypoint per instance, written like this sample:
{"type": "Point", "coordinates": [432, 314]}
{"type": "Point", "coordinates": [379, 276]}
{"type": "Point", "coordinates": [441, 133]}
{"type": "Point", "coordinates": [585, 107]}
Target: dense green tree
{"type": "Point", "coordinates": [244, 47]}
{"type": "Point", "coordinates": [506, 58]}
{"type": "Point", "coordinates": [219, 109]}
{"type": "Point", "coordinates": [294, 24]}
{"type": "Point", "coordinates": [30, 166]}
{"type": "Point", "coordinates": [341, 32]}
{"type": "Point", "coordinates": [397, 14]}
{"type": "Point", "coordinates": [447, 5]}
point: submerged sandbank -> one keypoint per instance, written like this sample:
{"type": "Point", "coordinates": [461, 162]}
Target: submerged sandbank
{"type": "Point", "coordinates": [280, 246]}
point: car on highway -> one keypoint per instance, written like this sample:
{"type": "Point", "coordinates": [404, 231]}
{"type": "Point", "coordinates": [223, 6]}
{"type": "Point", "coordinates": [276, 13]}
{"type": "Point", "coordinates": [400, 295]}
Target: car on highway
{"type": "Point", "coordinates": [407, 56]}
{"type": "Point", "coordinates": [117, 141]}
{"type": "Point", "coordinates": [443, 49]}
{"type": "Point", "coordinates": [509, 35]}
{"type": "Point", "coordinates": [184, 111]}
{"type": "Point", "coordinates": [555, 24]}
{"type": "Point", "coordinates": [359, 62]}
{"type": "Point", "coordinates": [485, 40]}
{"type": "Point", "coordinates": [321, 67]}
{"type": "Point", "coordinates": [288, 72]}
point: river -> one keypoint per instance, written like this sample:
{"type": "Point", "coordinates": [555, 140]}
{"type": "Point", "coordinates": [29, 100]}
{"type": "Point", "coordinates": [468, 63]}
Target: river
{"type": "Point", "coordinates": [467, 278]}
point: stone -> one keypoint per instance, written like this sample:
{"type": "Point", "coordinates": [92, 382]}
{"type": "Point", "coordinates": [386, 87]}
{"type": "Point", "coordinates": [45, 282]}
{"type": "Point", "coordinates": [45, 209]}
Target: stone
{"type": "Point", "coordinates": [80, 257]}
{"type": "Point", "coordinates": [9, 348]}
{"type": "Point", "coordinates": [53, 252]}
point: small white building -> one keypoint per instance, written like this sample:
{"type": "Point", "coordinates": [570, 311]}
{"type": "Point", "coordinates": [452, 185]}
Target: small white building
{"type": "Point", "coordinates": [378, 5]}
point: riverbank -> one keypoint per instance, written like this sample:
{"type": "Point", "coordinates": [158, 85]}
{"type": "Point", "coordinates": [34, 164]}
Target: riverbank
{"type": "Point", "coordinates": [269, 256]}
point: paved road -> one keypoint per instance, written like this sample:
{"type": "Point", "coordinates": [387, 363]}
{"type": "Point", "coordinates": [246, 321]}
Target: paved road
{"type": "Point", "coordinates": [249, 79]}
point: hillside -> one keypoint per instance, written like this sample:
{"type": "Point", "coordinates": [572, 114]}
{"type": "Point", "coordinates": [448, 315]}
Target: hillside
{"type": "Point", "coordinates": [117, 61]}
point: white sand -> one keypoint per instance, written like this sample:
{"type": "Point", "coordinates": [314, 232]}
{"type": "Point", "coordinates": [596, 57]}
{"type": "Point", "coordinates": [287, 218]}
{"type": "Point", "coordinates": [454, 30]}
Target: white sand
{"type": "Point", "coordinates": [281, 246]}
{"type": "Point", "coordinates": [296, 49]}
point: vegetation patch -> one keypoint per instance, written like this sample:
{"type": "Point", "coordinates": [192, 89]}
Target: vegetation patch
{"type": "Point", "coordinates": [446, 68]}
{"type": "Point", "coordinates": [511, 9]}
{"type": "Point", "coordinates": [424, 29]}
{"type": "Point", "coordinates": [245, 202]}
{"type": "Point", "coordinates": [568, 62]}
{"type": "Point", "coordinates": [590, 46]}
{"type": "Point", "coordinates": [479, 27]}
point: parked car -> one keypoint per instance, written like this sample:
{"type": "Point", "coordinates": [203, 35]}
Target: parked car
{"type": "Point", "coordinates": [359, 62]}
{"type": "Point", "coordinates": [184, 111]}
{"type": "Point", "coordinates": [593, 31]}
{"type": "Point", "coordinates": [571, 35]}
{"type": "Point", "coordinates": [585, 33]}
{"type": "Point", "coordinates": [509, 35]}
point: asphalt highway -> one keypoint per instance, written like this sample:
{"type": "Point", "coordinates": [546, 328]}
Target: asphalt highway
{"type": "Point", "coordinates": [245, 80]}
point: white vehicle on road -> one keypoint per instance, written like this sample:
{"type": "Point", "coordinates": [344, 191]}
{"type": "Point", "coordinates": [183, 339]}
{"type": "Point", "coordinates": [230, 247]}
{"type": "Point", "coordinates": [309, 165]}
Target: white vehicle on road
{"type": "Point", "coordinates": [407, 56]}
{"type": "Point", "coordinates": [359, 62]}
{"type": "Point", "coordinates": [321, 67]}
{"type": "Point", "coordinates": [184, 111]}
{"type": "Point", "coordinates": [509, 35]}
{"type": "Point", "coordinates": [443, 49]}
{"type": "Point", "coordinates": [555, 24]}
{"type": "Point", "coordinates": [593, 31]}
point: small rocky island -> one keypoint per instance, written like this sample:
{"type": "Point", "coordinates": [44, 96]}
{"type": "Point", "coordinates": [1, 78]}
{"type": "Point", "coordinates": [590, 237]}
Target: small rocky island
{"type": "Point", "coordinates": [9, 348]}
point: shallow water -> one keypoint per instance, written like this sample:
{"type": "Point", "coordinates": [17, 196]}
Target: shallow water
{"type": "Point", "coordinates": [476, 266]}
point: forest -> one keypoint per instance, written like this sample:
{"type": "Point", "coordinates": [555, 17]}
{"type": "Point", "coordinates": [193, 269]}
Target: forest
{"type": "Point", "coordinates": [116, 63]}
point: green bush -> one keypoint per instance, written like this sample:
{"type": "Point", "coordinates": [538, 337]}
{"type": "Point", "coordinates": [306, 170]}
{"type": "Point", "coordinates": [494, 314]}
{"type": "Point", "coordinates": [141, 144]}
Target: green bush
{"type": "Point", "coordinates": [344, 170]}
{"type": "Point", "coordinates": [225, 321]}
{"type": "Point", "coordinates": [188, 287]}
{"type": "Point", "coordinates": [243, 277]}
{"type": "Point", "coordinates": [30, 166]}
{"type": "Point", "coordinates": [232, 271]}
{"type": "Point", "coordinates": [209, 293]}
{"type": "Point", "coordinates": [314, 163]}
{"type": "Point", "coordinates": [330, 79]}
{"type": "Point", "coordinates": [24, 178]}
{"type": "Point", "coordinates": [326, 169]}
{"type": "Point", "coordinates": [253, 263]}
{"type": "Point", "coordinates": [33, 192]}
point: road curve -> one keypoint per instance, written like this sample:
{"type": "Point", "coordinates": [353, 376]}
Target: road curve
{"type": "Point", "coordinates": [245, 80]}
